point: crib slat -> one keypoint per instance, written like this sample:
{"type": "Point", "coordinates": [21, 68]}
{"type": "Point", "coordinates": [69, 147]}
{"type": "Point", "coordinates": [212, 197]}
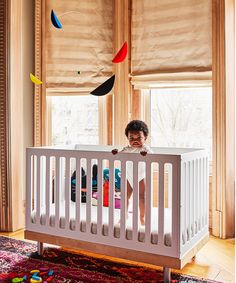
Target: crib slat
{"type": "Point", "coordinates": [78, 193]}
{"type": "Point", "coordinates": [194, 197]}
{"type": "Point", "coordinates": [100, 197]}
{"type": "Point", "coordinates": [200, 190]}
{"type": "Point", "coordinates": [183, 200]}
{"type": "Point", "coordinates": [203, 191]}
{"type": "Point", "coordinates": [48, 189]}
{"type": "Point", "coordinates": [29, 179]}
{"type": "Point", "coordinates": [161, 220]}
{"type": "Point", "coordinates": [186, 201]}
{"type": "Point", "coordinates": [57, 191]}
{"type": "Point", "coordinates": [170, 176]}
{"type": "Point", "coordinates": [38, 192]}
{"type": "Point", "coordinates": [198, 194]}
{"type": "Point", "coordinates": [123, 207]}
{"type": "Point", "coordinates": [135, 201]}
{"type": "Point", "coordinates": [111, 199]}
{"type": "Point", "coordinates": [42, 186]}
{"type": "Point", "coordinates": [148, 203]}
{"type": "Point", "coordinates": [176, 175]}
{"type": "Point", "coordinates": [207, 192]}
{"type": "Point", "coordinates": [190, 199]}
{"type": "Point", "coordinates": [88, 196]}
{"type": "Point", "coordinates": [67, 194]}
{"type": "Point", "coordinates": [34, 183]}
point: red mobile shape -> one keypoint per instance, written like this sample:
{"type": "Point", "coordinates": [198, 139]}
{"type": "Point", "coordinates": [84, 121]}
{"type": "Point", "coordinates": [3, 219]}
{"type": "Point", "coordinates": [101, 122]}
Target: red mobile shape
{"type": "Point", "coordinates": [120, 56]}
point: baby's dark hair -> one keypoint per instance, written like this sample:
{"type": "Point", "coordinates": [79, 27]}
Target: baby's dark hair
{"type": "Point", "coordinates": [137, 125]}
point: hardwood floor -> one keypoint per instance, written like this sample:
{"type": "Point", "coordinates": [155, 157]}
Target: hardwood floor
{"type": "Point", "coordinates": [216, 260]}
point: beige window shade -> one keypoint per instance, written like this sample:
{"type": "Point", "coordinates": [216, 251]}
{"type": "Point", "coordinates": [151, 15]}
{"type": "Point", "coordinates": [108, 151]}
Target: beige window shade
{"type": "Point", "coordinates": [172, 40]}
{"type": "Point", "coordinates": [84, 44]}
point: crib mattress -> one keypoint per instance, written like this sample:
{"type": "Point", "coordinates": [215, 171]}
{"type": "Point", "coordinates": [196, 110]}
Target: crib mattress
{"type": "Point", "coordinates": [105, 214]}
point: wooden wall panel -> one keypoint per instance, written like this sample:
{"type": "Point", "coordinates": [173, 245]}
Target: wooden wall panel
{"type": "Point", "coordinates": [5, 214]}
{"type": "Point", "coordinates": [38, 74]}
{"type": "Point", "coordinates": [15, 115]}
{"type": "Point", "coordinates": [223, 70]}
{"type": "Point", "coordinates": [122, 88]}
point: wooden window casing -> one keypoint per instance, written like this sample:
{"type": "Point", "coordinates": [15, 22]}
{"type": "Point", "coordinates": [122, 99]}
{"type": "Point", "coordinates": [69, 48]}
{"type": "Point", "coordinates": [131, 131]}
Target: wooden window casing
{"type": "Point", "coordinates": [5, 209]}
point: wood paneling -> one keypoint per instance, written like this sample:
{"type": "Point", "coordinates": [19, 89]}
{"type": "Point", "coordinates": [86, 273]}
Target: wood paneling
{"type": "Point", "coordinates": [109, 119]}
{"type": "Point", "coordinates": [15, 117]}
{"type": "Point", "coordinates": [38, 89]}
{"type": "Point", "coordinates": [5, 210]}
{"type": "Point", "coordinates": [136, 104]}
{"type": "Point", "coordinates": [11, 120]}
{"type": "Point", "coordinates": [122, 88]}
{"type": "Point", "coordinates": [223, 67]}
{"type": "Point", "coordinates": [229, 217]}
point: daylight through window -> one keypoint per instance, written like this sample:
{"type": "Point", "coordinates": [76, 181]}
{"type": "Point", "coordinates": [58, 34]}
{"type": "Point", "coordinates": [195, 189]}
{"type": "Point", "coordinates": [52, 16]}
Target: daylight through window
{"type": "Point", "coordinates": [182, 117]}
{"type": "Point", "coordinates": [74, 120]}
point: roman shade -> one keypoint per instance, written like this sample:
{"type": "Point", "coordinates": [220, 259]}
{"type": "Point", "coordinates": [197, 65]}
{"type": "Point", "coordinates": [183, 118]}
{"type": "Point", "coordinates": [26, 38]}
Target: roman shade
{"type": "Point", "coordinates": [171, 41]}
{"type": "Point", "coordinates": [79, 55]}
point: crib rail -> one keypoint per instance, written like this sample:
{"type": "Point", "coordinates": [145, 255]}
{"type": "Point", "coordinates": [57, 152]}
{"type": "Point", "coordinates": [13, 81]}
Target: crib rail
{"type": "Point", "coordinates": [50, 210]}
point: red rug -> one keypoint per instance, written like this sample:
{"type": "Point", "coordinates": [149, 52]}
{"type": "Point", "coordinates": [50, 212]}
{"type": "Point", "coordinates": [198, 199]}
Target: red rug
{"type": "Point", "coordinates": [18, 258]}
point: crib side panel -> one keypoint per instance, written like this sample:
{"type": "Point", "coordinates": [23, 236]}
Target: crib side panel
{"type": "Point", "coordinates": [194, 199]}
{"type": "Point", "coordinates": [51, 211]}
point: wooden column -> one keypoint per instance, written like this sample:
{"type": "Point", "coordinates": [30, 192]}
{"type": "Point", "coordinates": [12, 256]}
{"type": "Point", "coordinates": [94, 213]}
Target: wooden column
{"type": "Point", "coordinates": [122, 88]}
{"type": "Point", "coordinates": [109, 114]}
{"type": "Point", "coordinates": [15, 117]}
{"type": "Point", "coordinates": [39, 90]}
{"type": "Point", "coordinates": [5, 209]}
{"type": "Point", "coordinates": [136, 104]}
{"type": "Point", "coordinates": [223, 67]}
{"type": "Point", "coordinates": [12, 127]}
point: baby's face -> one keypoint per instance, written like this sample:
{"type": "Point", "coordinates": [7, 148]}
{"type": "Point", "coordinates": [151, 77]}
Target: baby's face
{"type": "Point", "coordinates": [136, 138]}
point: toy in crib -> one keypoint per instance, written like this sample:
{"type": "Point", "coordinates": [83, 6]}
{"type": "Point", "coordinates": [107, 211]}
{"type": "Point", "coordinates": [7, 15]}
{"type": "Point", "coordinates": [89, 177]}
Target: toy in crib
{"type": "Point", "coordinates": [94, 186]}
{"type": "Point", "coordinates": [106, 196]}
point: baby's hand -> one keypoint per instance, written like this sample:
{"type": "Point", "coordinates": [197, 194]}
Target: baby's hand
{"type": "Point", "coordinates": [114, 151]}
{"type": "Point", "coordinates": [143, 153]}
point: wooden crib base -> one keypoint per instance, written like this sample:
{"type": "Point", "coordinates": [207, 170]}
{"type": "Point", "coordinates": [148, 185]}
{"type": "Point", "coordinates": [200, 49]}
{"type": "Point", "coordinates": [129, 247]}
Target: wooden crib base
{"type": "Point", "coordinates": [127, 254]}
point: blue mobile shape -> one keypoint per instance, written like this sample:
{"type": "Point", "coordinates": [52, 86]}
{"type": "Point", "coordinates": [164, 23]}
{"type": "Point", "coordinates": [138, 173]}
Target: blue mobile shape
{"type": "Point", "coordinates": [55, 20]}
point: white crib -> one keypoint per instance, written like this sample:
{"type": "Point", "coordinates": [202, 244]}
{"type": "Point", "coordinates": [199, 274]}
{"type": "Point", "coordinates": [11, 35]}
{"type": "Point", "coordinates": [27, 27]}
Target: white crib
{"type": "Point", "coordinates": [176, 204]}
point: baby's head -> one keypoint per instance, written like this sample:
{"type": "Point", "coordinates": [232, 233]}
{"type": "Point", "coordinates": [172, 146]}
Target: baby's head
{"type": "Point", "coordinates": [136, 132]}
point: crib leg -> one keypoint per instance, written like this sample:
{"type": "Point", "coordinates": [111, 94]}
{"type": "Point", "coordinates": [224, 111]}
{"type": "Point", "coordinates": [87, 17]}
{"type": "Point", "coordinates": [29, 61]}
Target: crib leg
{"type": "Point", "coordinates": [40, 248]}
{"type": "Point", "coordinates": [167, 277]}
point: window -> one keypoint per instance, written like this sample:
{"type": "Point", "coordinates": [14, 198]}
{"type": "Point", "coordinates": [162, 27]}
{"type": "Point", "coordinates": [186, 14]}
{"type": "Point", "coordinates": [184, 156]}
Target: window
{"type": "Point", "coordinates": [74, 120]}
{"type": "Point", "coordinates": [182, 117]}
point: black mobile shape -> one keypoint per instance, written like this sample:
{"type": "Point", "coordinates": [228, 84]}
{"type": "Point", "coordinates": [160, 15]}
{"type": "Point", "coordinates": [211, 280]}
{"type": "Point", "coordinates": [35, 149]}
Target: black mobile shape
{"type": "Point", "coordinates": [105, 87]}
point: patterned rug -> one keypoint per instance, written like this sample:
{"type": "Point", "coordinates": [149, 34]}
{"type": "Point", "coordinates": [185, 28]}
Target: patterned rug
{"type": "Point", "coordinates": [19, 258]}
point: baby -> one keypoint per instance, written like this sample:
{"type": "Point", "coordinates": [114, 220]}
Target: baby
{"type": "Point", "coordinates": [136, 132]}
